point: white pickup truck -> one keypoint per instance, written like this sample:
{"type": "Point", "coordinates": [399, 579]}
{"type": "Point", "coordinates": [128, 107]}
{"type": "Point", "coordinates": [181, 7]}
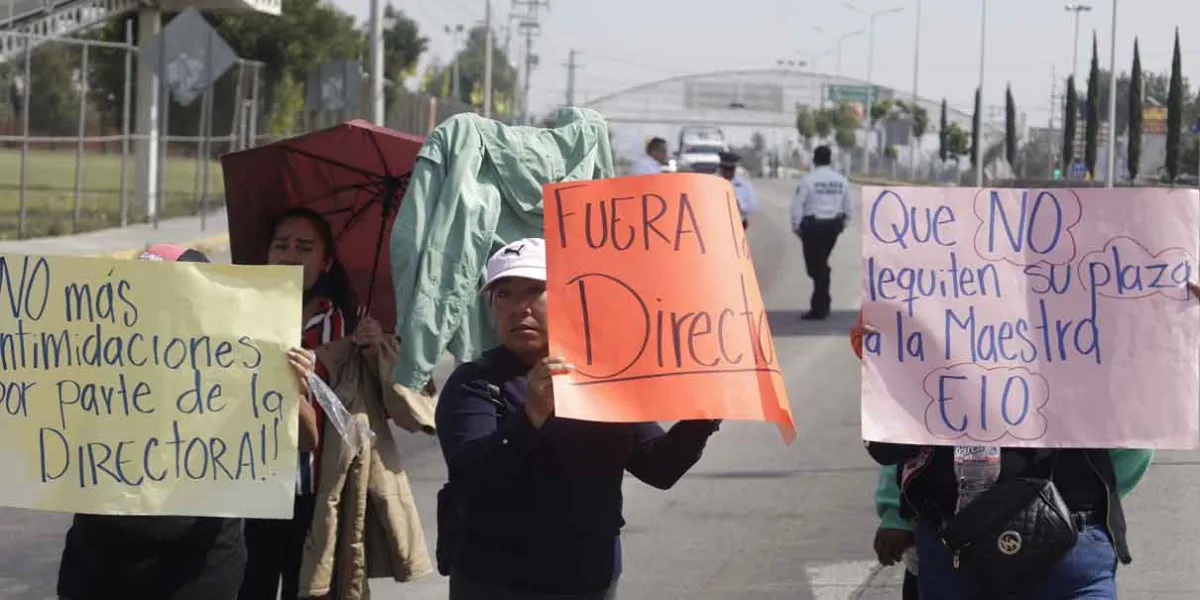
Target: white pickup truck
{"type": "Point", "coordinates": [700, 148]}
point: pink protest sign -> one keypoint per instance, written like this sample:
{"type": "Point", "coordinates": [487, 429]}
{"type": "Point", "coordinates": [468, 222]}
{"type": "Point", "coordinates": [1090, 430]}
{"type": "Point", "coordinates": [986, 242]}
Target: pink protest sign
{"type": "Point", "coordinates": [1035, 318]}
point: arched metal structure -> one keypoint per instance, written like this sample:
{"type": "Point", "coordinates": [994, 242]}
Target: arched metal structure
{"type": "Point", "coordinates": [746, 98]}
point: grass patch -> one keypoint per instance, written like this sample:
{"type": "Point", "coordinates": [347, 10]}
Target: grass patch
{"type": "Point", "coordinates": [50, 191]}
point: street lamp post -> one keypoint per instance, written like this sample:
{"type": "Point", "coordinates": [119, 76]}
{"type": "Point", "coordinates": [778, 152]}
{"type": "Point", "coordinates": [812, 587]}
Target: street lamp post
{"type": "Point", "coordinates": [982, 63]}
{"type": "Point", "coordinates": [871, 17]}
{"type": "Point", "coordinates": [839, 50]}
{"type": "Point", "coordinates": [1111, 175]}
{"type": "Point", "coordinates": [785, 65]}
{"type": "Point", "coordinates": [1076, 8]}
{"type": "Point", "coordinates": [914, 144]}
{"type": "Point", "coordinates": [454, 33]}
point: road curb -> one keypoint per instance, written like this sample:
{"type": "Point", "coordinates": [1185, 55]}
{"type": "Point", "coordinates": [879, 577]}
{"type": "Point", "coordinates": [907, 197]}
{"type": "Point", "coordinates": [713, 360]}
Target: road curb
{"type": "Point", "coordinates": [207, 245]}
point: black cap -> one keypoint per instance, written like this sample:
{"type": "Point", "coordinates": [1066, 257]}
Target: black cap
{"type": "Point", "coordinates": [729, 159]}
{"type": "Point", "coordinates": [822, 156]}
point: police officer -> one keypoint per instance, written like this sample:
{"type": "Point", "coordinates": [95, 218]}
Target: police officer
{"type": "Point", "coordinates": [742, 190]}
{"type": "Point", "coordinates": [820, 211]}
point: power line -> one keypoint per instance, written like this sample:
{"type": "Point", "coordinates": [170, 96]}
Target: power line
{"type": "Point", "coordinates": [529, 25]}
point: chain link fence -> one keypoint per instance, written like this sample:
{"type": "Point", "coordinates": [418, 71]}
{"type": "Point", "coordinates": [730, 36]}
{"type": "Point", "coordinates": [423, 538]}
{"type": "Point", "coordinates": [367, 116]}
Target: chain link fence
{"type": "Point", "coordinates": [68, 135]}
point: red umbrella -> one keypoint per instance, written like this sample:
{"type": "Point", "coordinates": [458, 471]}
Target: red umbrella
{"type": "Point", "coordinates": [354, 174]}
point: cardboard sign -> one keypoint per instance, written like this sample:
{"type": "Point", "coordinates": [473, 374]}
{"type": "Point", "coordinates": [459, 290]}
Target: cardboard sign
{"type": "Point", "coordinates": [147, 388]}
{"type": "Point", "coordinates": [654, 299]}
{"type": "Point", "coordinates": [1035, 318]}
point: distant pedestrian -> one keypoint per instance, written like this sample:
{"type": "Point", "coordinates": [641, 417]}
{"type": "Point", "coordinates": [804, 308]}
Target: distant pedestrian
{"type": "Point", "coordinates": [653, 161]}
{"type": "Point", "coordinates": [533, 506]}
{"type": "Point", "coordinates": [742, 190]}
{"type": "Point", "coordinates": [820, 211]}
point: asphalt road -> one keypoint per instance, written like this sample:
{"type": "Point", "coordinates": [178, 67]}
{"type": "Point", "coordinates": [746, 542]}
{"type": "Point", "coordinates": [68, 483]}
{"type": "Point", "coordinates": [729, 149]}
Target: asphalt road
{"type": "Point", "coordinates": [755, 519]}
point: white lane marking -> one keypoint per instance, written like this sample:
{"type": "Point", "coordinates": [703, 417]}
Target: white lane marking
{"type": "Point", "coordinates": [840, 580]}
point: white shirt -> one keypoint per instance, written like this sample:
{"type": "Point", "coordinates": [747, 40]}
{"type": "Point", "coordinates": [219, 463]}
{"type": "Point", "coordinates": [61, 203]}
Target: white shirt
{"type": "Point", "coordinates": [744, 194]}
{"type": "Point", "coordinates": [823, 194]}
{"type": "Point", "coordinates": [646, 165]}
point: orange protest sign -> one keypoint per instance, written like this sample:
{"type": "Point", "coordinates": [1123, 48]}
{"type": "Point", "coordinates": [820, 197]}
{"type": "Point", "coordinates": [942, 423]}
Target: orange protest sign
{"type": "Point", "coordinates": [654, 299]}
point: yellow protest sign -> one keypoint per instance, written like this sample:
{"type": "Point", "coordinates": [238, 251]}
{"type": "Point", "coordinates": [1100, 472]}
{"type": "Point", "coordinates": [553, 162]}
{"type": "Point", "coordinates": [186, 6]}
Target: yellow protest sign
{"type": "Point", "coordinates": [147, 388]}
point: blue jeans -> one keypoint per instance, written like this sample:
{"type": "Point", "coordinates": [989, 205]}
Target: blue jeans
{"type": "Point", "coordinates": [1088, 572]}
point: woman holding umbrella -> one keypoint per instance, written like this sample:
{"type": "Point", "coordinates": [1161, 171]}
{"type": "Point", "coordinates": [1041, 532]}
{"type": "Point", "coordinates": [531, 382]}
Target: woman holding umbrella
{"type": "Point", "coordinates": [302, 238]}
{"type": "Point", "coordinates": [277, 550]}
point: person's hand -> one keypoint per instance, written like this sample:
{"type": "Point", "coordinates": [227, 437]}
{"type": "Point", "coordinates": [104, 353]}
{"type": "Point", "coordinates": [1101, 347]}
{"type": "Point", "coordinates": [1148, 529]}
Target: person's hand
{"type": "Point", "coordinates": [890, 545]}
{"type": "Point", "coordinates": [1194, 288]}
{"type": "Point", "coordinates": [369, 334]}
{"type": "Point", "coordinates": [540, 404]}
{"type": "Point", "coordinates": [302, 362]}
{"type": "Point", "coordinates": [857, 333]}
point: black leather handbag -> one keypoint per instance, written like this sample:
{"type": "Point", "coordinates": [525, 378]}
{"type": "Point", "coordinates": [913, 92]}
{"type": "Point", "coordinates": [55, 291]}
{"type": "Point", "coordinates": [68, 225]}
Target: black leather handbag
{"type": "Point", "coordinates": [1011, 536]}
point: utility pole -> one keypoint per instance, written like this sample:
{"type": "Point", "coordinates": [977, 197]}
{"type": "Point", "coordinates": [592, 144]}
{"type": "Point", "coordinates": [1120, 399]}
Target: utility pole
{"type": "Point", "coordinates": [571, 67]}
{"type": "Point", "coordinates": [487, 61]}
{"type": "Point", "coordinates": [1076, 8]}
{"type": "Point", "coordinates": [376, 58]}
{"type": "Point", "coordinates": [529, 25]}
{"type": "Point", "coordinates": [454, 33]}
{"type": "Point", "coordinates": [1050, 128]}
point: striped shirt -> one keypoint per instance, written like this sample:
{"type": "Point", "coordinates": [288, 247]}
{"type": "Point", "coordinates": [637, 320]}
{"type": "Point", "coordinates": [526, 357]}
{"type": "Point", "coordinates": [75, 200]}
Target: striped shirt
{"type": "Point", "coordinates": [327, 325]}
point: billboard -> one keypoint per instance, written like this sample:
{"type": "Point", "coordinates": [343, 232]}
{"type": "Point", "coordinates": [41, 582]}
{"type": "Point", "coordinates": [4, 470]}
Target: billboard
{"type": "Point", "coordinates": [1154, 119]}
{"type": "Point", "coordinates": [718, 95]}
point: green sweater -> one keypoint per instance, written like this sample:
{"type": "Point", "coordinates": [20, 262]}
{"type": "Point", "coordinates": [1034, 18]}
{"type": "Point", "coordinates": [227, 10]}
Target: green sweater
{"type": "Point", "coordinates": [1128, 465]}
{"type": "Point", "coordinates": [477, 186]}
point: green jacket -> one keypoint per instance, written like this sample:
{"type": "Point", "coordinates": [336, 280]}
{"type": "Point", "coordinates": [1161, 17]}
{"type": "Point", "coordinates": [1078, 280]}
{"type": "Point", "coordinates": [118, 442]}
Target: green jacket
{"type": "Point", "coordinates": [1129, 465]}
{"type": "Point", "coordinates": [477, 185]}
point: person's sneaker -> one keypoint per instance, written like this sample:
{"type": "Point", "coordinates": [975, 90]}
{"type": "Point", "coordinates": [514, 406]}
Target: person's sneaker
{"type": "Point", "coordinates": [813, 316]}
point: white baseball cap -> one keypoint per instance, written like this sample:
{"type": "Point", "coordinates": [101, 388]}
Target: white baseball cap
{"type": "Point", "coordinates": [523, 258]}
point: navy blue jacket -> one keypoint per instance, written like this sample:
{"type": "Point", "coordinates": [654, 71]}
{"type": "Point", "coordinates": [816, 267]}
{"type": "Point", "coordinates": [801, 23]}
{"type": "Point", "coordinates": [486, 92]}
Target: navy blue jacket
{"type": "Point", "coordinates": [544, 505]}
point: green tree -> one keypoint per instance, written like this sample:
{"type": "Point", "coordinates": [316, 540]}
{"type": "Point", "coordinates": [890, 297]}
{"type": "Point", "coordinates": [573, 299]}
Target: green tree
{"type": "Point", "coordinates": [958, 142]}
{"type": "Point", "coordinates": [1134, 158]}
{"type": "Point", "coordinates": [1010, 126]}
{"type": "Point", "coordinates": [53, 95]}
{"type": "Point", "coordinates": [306, 35]}
{"type": "Point", "coordinates": [975, 125]}
{"type": "Point", "coordinates": [920, 122]}
{"type": "Point", "coordinates": [1070, 113]}
{"type": "Point", "coordinates": [846, 123]}
{"type": "Point", "coordinates": [845, 139]}
{"type": "Point", "coordinates": [1189, 156]}
{"type": "Point", "coordinates": [823, 121]}
{"type": "Point", "coordinates": [1091, 132]}
{"type": "Point", "coordinates": [881, 110]}
{"type": "Point", "coordinates": [403, 46]}
{"type": "Point", "coordinates": [471, 65]}
{"type": "Point", "coordinates": [1174, 112]}
{"type": "Point", "coordinates": [943, 151]}
{"type": "Point", "coordinates": [806, 123]}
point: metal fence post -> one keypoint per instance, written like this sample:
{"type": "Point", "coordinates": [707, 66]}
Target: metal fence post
{"type": "Point", "coordinates": [83, 99]}
{"type": "Point", "coordinates": [164, 139]}
{"type": "Point", "coordinates": [252, 125]}
{"type": "Point", "coordinates": [125, 109]}
{"type": "Point", "coordinates": [22, 224]}
{"type": "Point", "coordinates": [238, 105]}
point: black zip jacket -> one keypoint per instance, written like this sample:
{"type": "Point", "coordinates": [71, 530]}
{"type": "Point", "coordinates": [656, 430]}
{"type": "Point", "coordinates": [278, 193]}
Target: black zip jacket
{"type": "Point", "coordinates": [1085, 478]}
{"type": "Point", "coordinates": [543, 506]}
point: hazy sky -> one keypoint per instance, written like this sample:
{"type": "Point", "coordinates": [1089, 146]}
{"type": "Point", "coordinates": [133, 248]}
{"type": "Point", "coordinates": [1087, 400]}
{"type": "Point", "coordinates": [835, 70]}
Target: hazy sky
{"type": "Point", "coordinates": [627, 42]}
